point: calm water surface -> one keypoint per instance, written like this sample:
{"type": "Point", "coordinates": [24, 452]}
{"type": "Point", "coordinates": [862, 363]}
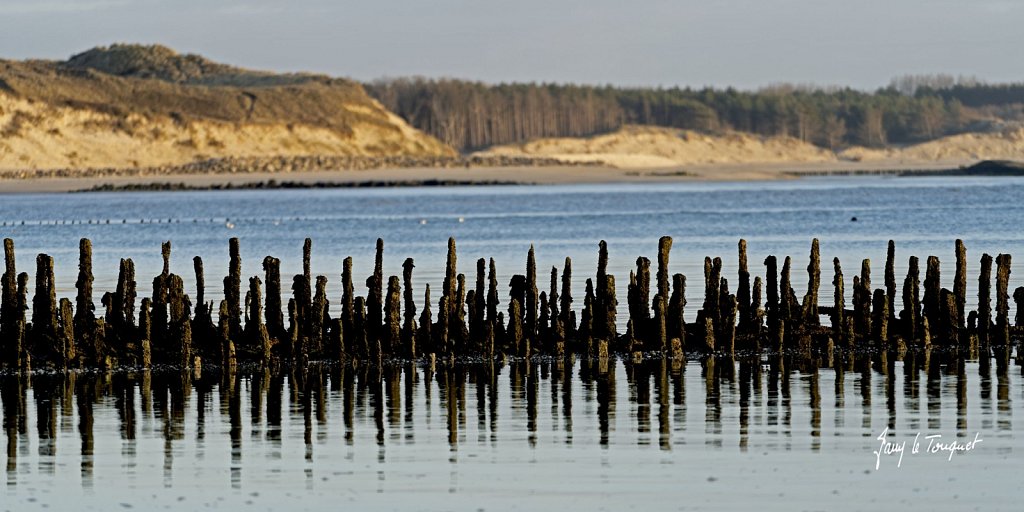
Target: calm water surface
{"type": "Point", "coordinates": [923, 215]}
{"type": "Point", "coordinates": [598, 435]}
{"type": "Point", "coordinates": [726, 435]}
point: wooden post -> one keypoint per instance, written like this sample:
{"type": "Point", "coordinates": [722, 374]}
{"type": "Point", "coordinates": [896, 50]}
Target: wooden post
{"type": "Point", "coordinates": [985, 299]}
{"type": "Point", "coordinates": [568, 325]}
{"type": "Point", "coordinates": [319, 318]}
{"type": "Point", "coordinates": [375, 298]}
{"type": "Point", "coordinates": [880, 322]}
{"type": "Point", "coordinates": [144, 356]}
{"type": "Point", "coordinates": [611, 304]}
{"type": "Point", "coordinates": [960, 281]}
{"type": "Point", "coordinates": [478, 306]}
{"type": "Point", "coordinates": [948, 323]}
{"type": "Point", "coordinates": [274, 309]}
{"type": "Point", "coordinates": [810, 305]}
{"type": "Point", "coordinates": [180, 323]}
{"type": "Point", "coordinates": [43, 340]}
{"type": "Point", "coordinates": [409, 327]}
{"type": "Point", "coordinates": [772, 301]}
{"type": "Point", "coordinates": [639, 299]}
{"type": "Point", "coordinates": [911, 316]}
{"type": "Point", "coordinates": [862, 302]}
{"type": "Point", "coordinates": [392, 343]}
{"type": "Point", "coordinates": [532, 296]}
{"type": "Point", "coordinates": [931, 306]}
{"type": "Point", "coordinates": [233, 290]}
{"type": "Point", "coordinates": [676, 323]}
{"type": "Point", "coordinates": [9, 309]}
{"type": "Point", "coordinates": [424, 337]}
{"type": "Point", "coordinates": [746, 318]}
{"type": "Point", "coordinates": [890, 278]}
{"type": "Point", "coordinates": [839, 306]}
{"type": "Point", "coordinates": [85, 310]}
{"type": "Point", "coordinates": [1002, 300]}
{"type": "Point", "coordinates": [348, 304]}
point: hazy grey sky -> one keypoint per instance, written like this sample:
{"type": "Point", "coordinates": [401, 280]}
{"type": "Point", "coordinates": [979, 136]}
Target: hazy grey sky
{"type": "Point", "coordinates": [744, 43]}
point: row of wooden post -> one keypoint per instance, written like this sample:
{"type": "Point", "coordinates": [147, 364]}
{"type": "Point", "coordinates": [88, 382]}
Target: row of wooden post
{"type": "Point", "coordinates": [169, 329]}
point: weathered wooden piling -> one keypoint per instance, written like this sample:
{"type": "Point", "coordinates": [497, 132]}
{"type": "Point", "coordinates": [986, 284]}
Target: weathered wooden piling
{"type": "Point", "coordinates": [985, 299]}
{"type": "Point", "coordinates": [810, 304]}
{"type": "Point", "coordinates": [319, 318]}
{"type": "Point", "coordinates": [468, 322]}
{"type": "Point", "coordinates": [911, 315]}
{"type": "Point", "coordinates": [772, 301]}
{"type": "Point", "coordinates": [664, 248]}
{"type": "Point", "coordinates": [601, 295]}
{"type": "Point", "coordinates": [787, 303]}
{"type": "Point", "coordinates": [727, 308]}
{"type": "Point", "coordinates": [960, 281]}
{"type": "Point", "coordinates": [890, 278]}
{"type": "Point", "coordinates": [43, 339]}
{"type": "Point", "coordinates": [492, 294]}
{"type": "Point", "coordinates": [179, 351]}
{"type": "Point", "coordinates": [1002, 337]}
{"type": "Point", "coordinates": [556, 331]}
{"type": "Point", "coordinates": [144, 353]}
{"type": "Point", "coordinates": [478, 305]}
{"type": "Point", "coordinates": [948, 325]}
{"type": "Point", "coordinates": [757, 311]}
{"type": "Point", "coordinates": [273, 307]}
{"type": "Point", "coordinates": [87, 341]}
{"type": "Point", "coordinates": [711, 291]}
{"type": "Point", "coordinates": [746, 319]}
{"type": "Point", "coordinates": [517, 344]}
{"type": "Point", "coordinates": [880, 320]}
{"type": "Point", "coordinates": [931, 305]}
{"type": "Point", "coordinates": [660, 329]}
{"type": "Point", "coordinates": [392, 342]}
{"type": "Point", "coordinates": [1018, 300]}
{"type": "Point", "coordinates": [347, 300]}
{"type": "Point", "coordinates": [257, 335]}
{"type": "Point", "coordinates": [862, 302]}
{"type": "Point", "coordinates": [375, 297]}
{"type": "Point", "coordinates": [839, 306]}
{"type": "Point", "coordinates": [233, 291]}
{"type": "Point", "coordinates": [424, 337]}
{"type": "Point", "coordinates": [9, 308]}
{"type": "Point", "coordinates": [611, 303]}
{"type": "Point", "coordinates": [586, 327]}
{"type": "Point", "coordinates": [676, 323]}
{"type": "Point", "coordinates": [446, 304]}
{"type": "Point", "coordinates": [532, 298]}
{"type": "Point", "coordinates": [409, 324]}
{"type": "Point", "coordinates": [639, 299]}
{"type": "Point", "coordinates": [567, 315]}
{"type": "Point", "coordinates": [209, 346]}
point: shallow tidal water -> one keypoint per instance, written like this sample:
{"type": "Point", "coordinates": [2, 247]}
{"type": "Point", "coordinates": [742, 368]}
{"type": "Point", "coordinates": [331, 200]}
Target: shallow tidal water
{"type": "Point", "coordinates": [778, 433]}
{"type": "Point", "coordinates": [775, 434]}
{"type": "Point", "coordinates": [923, 215]}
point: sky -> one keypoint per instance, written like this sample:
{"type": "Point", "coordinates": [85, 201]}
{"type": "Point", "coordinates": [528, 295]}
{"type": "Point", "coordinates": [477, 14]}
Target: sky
{"type": "Point", "coordinates": [740, 43]}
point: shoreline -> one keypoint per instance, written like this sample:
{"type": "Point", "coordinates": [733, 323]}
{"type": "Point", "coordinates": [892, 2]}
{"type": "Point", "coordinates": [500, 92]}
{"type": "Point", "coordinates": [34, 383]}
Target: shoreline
{"type": "Point", "coordinates": [475, 175]}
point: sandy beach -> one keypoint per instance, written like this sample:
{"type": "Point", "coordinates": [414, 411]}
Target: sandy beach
{"type": "Point", "coordinates": [524, 175]}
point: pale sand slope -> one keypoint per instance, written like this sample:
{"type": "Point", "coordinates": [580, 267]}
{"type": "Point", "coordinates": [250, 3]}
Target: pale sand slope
{"type": "Point", "coordinates": [968, 147]}
{"type": "Point", "coordinates": [34, 135]}
{"type": "Point", "coordinates": [652, 147]}
{"type": "Point", "coordinates": [639, 147]}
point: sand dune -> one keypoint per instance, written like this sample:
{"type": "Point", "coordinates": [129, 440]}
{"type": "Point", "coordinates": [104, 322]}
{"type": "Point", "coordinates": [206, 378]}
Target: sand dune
{"type": "Point", "coordinates": [638, 147]}
{"type": "Point", "coordinates": [651, 147]}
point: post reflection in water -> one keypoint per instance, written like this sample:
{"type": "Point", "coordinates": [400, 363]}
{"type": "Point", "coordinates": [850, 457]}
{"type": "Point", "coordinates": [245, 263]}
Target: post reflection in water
{"type": "Point", "coordinates": [778, 403]}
